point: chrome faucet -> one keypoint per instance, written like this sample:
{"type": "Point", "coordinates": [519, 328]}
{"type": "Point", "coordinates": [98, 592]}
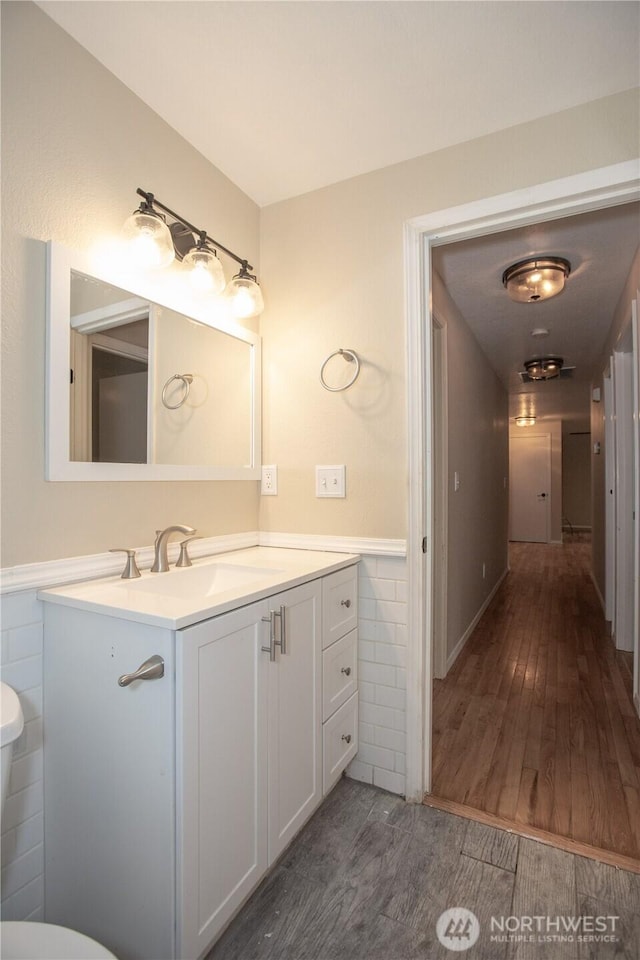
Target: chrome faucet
{"type": "Point", "coordinates": [160, 561]}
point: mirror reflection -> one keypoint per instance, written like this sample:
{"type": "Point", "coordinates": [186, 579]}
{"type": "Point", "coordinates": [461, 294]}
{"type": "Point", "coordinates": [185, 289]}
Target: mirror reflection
{"type": "Point", "coordinates": [149, 385]}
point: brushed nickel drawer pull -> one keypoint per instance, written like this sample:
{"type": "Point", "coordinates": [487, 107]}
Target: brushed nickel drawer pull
{"type": "Point", "coordinates": [271, 649]}
{"type": "Point", "coordinates": [347, 737]}
{"type": "Point", "coordinates": [346, 671]}
{"type": "Point", "coordinates": [151, 669]}
{"type": "Point", "coordinates": [345, 603]}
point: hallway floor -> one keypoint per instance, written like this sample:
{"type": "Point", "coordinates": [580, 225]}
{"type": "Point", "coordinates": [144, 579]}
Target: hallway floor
{"type": "Point", "coordinates": [369, 876]}
{"type": "Point", "coordinates": [535, 721]}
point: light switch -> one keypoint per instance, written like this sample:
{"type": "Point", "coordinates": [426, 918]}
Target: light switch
{"type": "Point", "coordinates": [331, 481]}
{"type": "Point", "coordinates": [456, 482]}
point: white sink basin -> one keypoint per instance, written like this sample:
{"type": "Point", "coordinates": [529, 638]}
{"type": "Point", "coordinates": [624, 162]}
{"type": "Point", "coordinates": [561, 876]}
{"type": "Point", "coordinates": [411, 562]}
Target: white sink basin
{"type": "Point", "coordinates": [213, 585]}
{"type": "Point", "coordinates": [198, 581]}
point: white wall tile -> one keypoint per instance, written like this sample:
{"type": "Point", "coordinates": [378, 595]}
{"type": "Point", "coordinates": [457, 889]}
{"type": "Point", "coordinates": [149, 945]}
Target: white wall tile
{"type": "Point", "coordinates": [25, 771]}
{"type": "Point", "coordinates": [391, 697]}
{"type": "Point", "coordinates": [21, 806]}
{"type": "Point", "coordinates": [382, 672]}
{"type": "Point", "coordinates": [23, 674]}
{"type": "Point", "coordinates": [391, 739]}
{"type": "Point", "coordinates": [22, 823]}
{"type": "Point", "coordinates": [394, 782]}
{"type": "Point", "coordinates": [376, 756]}
{"type": "Point", "coordinates": [26, 641]}
{"type": "Point", "coordinates": [27, 903]}
{"type": "Point", "coordinates": [378, 673]}
{"type": "Point", "coordinates": [23, 870]}
{"type": "Point", "coordinates": [20, 609]}
{"type": "Point", "coordinates": [358, 770]}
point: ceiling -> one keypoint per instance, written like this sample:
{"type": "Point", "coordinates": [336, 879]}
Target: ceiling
{"type": "Point", "coordinates": [600, 247]}
{"type": "Point", "coordinates": [287, 97]}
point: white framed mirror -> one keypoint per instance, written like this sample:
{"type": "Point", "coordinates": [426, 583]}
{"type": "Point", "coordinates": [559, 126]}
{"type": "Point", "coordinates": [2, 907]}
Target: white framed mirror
{"type": "Point", "coordinates": [136, 389]}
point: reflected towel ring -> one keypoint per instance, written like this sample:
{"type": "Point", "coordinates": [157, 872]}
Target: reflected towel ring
{"type": "Point", "coordinates": [351, 357]}
{"type": "Point", "coordinates": [187, 379]}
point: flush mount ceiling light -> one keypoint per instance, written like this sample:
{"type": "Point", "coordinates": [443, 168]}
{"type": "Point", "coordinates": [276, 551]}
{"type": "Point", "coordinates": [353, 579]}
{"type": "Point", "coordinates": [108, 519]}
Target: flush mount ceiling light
{"type": "Point", "coordinates": [525, 421]}
{"type": "Point", "coordinates": [543, 368]}
{"type": "Point", "coordinates": [157, 235]}
{"type": "Point", "coordinates": [533, 280]}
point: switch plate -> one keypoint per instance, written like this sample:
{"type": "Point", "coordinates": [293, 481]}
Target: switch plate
{"type": "Point", "coordinates": [269, 483]}
{"type": "Point", "coordinates": [456, 482]}
{"type": "Point", "coordinates": [331, 481]}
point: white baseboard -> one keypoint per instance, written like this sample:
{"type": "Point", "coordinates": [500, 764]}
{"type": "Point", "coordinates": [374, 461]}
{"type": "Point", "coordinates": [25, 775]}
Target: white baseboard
{"type": "Point", "coordinates": [51, 573]}
{"type": "Point", "coordinates": [457, 650]}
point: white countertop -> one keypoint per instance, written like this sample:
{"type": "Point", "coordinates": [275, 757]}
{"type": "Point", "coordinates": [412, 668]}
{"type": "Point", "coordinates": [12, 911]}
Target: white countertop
{"type": "Point", "coordinates": [212, 585]}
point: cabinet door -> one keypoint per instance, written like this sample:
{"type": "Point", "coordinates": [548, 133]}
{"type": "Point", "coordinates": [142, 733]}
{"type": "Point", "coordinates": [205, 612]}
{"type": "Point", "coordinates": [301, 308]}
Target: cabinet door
{"type": "Point", "coordinates": [222, 756]}
{"type": "Point", "coordinates": [295, 715]}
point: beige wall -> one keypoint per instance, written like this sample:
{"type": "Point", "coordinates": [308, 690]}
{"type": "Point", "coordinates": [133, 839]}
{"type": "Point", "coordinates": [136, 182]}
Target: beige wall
{"type": "Point", "coordinates": [332, 265]}
{"type": "Point", "coordinates": [619, 326]}
{"type": "Point", "coordinates": [76, 143]}
{"type": "Point", "coordinates": [478, 450]}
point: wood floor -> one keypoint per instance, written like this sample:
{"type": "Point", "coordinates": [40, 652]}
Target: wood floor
{"type": "Point", "coordinates": [369, 876]}
{"type": "Point", "coordinates": [535, 721]}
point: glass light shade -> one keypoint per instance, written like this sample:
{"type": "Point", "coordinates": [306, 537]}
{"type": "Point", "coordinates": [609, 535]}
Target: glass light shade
{"type": "Point", "coordinates": [525, 421]}
{"type": "Point", "coordinates": [531, 281]}
{"type": "Point", "coordinates": [149, 240]}
{"type": "Point", "coordinates": [204, 270]}
{"type": "Point", "coordinates": [245, 297]}
{"type": "Point", "coordinates": [546, 368]}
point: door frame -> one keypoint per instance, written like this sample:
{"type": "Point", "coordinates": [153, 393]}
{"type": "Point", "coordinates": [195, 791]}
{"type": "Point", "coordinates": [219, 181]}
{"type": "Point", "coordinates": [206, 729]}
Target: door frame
{"type": "Point", "coordinates": [592, 190]}
{"type": "Point", "coordinates": [625, 447]}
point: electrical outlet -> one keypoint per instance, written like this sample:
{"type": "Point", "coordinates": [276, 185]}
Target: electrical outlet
{"type": "Point", "coordinates": [269, 483]}
{"type": "Point", "coordinates": [330, 481]}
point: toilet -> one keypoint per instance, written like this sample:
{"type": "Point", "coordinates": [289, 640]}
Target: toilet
{"type": "Point", "coordinates": [26, 940]}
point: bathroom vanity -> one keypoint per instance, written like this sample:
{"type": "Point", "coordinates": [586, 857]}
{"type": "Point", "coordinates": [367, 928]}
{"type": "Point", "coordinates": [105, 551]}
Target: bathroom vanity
{"type": "Point", "coordinates": [168, 799]}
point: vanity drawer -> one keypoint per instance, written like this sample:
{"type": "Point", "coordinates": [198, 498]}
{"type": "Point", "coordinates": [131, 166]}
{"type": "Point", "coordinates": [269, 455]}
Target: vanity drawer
{"type": "Point", "coordinates": [339, 604]}
{"type": "Point", "coordinates": [339, 673]}
{"type": "Point", "coordinates": [339, 742]}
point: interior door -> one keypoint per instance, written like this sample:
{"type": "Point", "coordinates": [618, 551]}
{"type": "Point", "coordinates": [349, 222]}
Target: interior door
{"type": "Point", "coordinates": [530, 488]}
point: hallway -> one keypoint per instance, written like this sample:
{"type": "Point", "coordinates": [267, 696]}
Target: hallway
{"type": "Point", "coordinates": [535, 722]}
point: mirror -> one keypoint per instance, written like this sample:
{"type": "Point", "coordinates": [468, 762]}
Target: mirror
{"type": "Point", "coordinates": [137, 389]}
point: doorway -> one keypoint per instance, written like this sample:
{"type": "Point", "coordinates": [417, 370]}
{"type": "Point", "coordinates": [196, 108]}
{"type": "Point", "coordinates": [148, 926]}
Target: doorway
{"type": "Point", "coordinates": [590, 191]}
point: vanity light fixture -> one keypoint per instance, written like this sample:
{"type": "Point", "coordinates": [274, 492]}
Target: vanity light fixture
{"type": "Point", "coordinates": [543, 368]}
{"type": "Point", "coordinates": [204, 269]}
{"type": "Point", "coordinates": [158, 235]}
{"type": "Point", "coordinates": [525, 421]}
{"type": "Point", "coordinates": [537, 279]}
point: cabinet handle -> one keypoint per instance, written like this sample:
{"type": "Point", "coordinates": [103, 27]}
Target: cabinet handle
{"type": "Point", "coordinates": [346, 671]}
{"type": "Point", "coordinates": [345, 603]}
{"type": "Point", "coordinates": [282, 642]}
{"type": "Point", "coordinates": [151, 669]}
{"type": "Point", "coordinates": [347, 737]}
{"type": "Point", "coordinates": [271, 649]}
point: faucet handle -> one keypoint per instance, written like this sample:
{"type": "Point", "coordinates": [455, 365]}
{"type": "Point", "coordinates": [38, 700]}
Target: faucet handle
{"type": "Point", "coordinates": [130, 571]}
{"type": "Point", "coordinates": [184, 560]}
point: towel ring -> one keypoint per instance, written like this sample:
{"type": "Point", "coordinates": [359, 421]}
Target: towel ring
{"type": "Point", "coordinates": [351, 357]}
{"type": "Point", "coordinates": [187, 379]}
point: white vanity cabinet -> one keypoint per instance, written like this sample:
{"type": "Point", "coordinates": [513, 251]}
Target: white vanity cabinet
{"type": "Point", "coordinates": [250, 741]}
{"type": "Point", "coordinates": [167, 800]}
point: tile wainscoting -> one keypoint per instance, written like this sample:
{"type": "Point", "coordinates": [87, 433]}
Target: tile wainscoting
{"type": "Point", "coordinates": [382, 639]}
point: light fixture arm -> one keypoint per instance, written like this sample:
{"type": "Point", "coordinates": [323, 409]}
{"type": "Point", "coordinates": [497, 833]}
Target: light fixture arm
{"type": "Point", "coordinates": [152, 202]}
